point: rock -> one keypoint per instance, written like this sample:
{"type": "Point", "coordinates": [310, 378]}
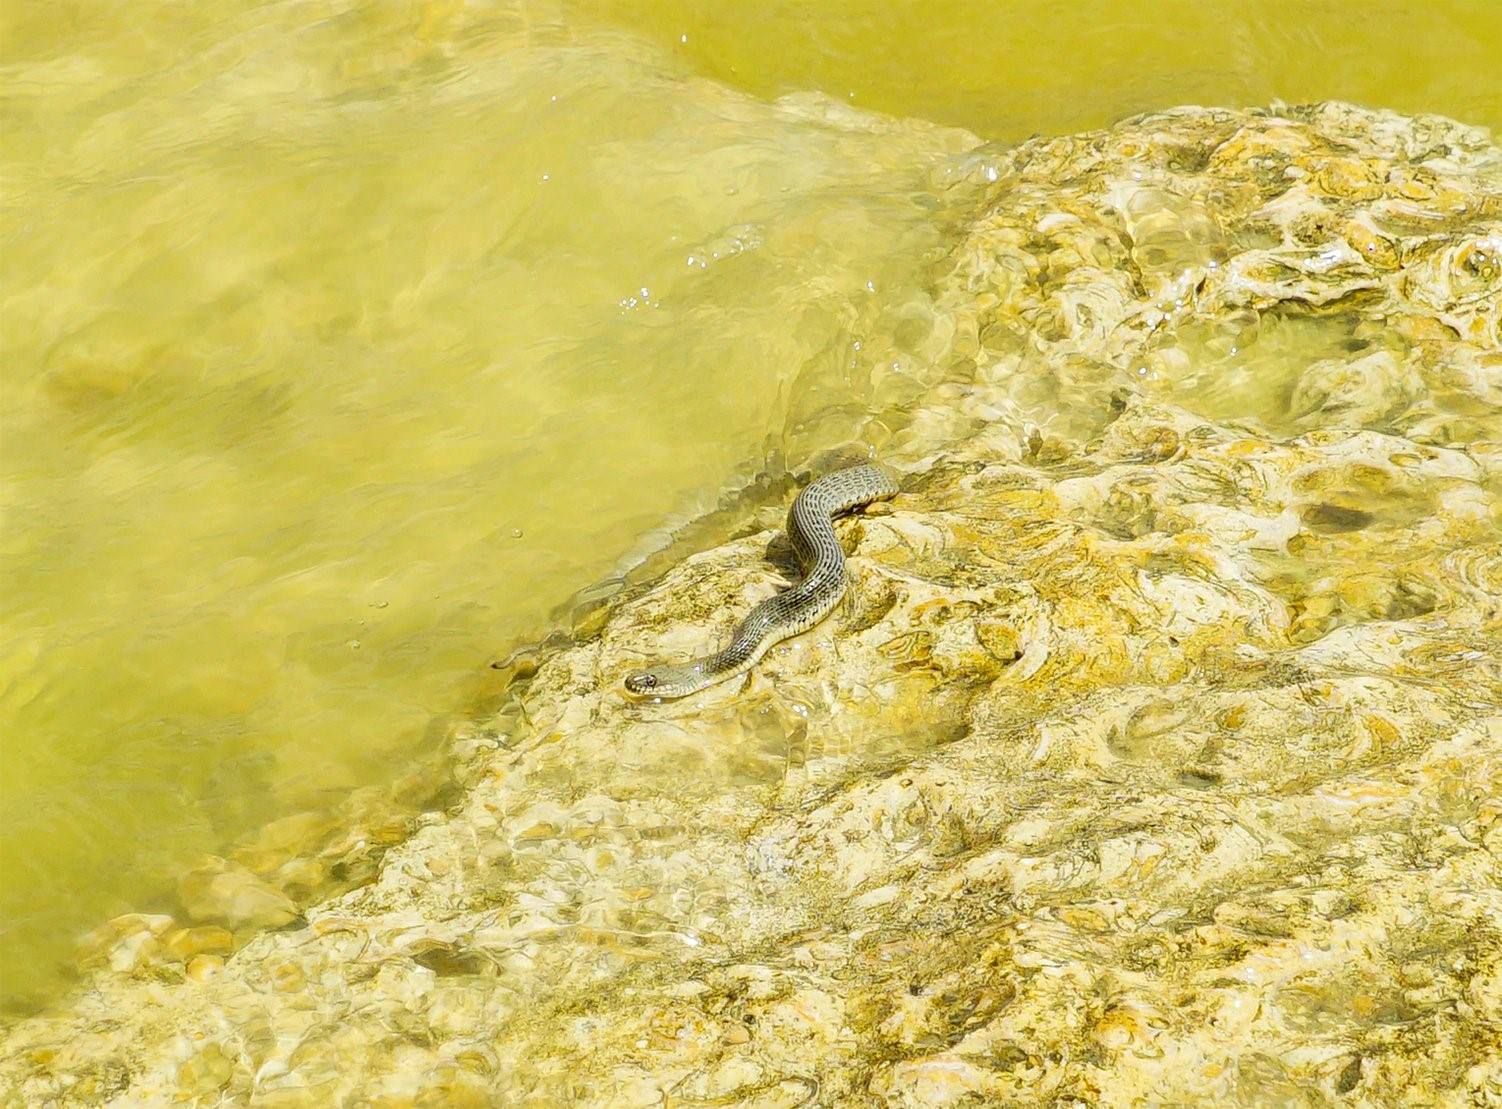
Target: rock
{"type": "Point", "coordinates": [230, 894]}
{"type": "Point", "coordinates": [183, 944]}
{"type": "Point", "coordinates": [127, 943]}
{"type": "Point", "coordinates": [205, 1073]}
{"type": "Point", "coordinates": [1356, 392]}
{"type": "Point", "coordinates": [200, 968]}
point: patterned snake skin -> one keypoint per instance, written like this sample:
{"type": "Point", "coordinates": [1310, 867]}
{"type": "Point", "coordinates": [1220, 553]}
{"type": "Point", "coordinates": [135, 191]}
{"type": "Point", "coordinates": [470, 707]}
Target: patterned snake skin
{"type": "Point", "coordinates": [811, 531]}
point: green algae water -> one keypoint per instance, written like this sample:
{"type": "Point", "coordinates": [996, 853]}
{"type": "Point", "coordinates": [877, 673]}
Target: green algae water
{"type": "Point", "coordinates": [342, 345]}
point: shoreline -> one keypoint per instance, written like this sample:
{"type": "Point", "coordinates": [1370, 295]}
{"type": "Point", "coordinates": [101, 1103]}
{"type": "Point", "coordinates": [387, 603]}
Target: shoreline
{"type": "Point", "coordinates": [1095, 790]}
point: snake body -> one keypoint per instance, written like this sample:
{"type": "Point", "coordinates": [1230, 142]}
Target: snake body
{"type": "Point", "coordinates": [810, 529]}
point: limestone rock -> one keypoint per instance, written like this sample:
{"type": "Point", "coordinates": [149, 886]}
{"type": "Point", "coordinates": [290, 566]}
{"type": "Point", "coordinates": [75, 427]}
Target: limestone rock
{"type": "Point", "coordinates": [231, 895]}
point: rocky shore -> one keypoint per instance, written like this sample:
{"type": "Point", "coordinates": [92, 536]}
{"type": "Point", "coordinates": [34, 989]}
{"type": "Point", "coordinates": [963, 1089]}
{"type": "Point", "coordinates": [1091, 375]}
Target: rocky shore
{"type": "Point", "coordinates": [1155, 757]}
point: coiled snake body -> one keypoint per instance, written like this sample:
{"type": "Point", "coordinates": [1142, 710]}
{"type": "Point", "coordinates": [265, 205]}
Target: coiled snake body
{"type": "Point", "coordinates": [811, 532]}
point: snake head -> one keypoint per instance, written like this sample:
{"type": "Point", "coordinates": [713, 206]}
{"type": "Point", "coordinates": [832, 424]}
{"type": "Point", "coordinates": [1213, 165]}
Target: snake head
{"type": "Point", "coordinates": [667, 683]}
{"type": "Point", "coordinates": [643, 683]}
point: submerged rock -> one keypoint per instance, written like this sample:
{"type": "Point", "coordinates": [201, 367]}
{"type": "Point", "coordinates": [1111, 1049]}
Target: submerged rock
{"type": "Point", "coordinates": [228, 894]}
{"type": "Point", "coordinates": [1154, 757]}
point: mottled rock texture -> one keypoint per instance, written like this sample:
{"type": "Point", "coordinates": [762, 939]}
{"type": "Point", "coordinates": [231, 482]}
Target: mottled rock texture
{"type": "Point", "coordinates": [1154, 759]}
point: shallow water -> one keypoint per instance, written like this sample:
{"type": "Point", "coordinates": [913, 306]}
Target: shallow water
{"type": "Point", "coordinates": [342, 346]}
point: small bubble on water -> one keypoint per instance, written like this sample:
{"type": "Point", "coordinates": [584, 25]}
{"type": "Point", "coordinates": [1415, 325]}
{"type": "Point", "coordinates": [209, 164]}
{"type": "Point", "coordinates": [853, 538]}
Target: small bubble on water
{"type": "Point", "coordinates": [516, 533]}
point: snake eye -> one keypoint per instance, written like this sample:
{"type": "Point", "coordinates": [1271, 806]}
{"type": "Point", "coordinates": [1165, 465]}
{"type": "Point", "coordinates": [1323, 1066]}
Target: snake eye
{"type": "Point", "coordinates": [640, 683]}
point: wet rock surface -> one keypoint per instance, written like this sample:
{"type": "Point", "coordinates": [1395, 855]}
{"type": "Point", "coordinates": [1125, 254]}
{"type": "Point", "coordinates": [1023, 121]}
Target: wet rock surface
{"type": "Point", "coordinates": [1153, 758]}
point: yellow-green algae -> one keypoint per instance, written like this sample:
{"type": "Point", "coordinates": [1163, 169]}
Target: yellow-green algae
{"type": "Point", "coordinates": [1155, 758]}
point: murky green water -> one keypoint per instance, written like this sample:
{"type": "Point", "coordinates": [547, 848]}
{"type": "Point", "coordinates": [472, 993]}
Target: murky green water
{"type": "Point", "coordinates": [341, 345]}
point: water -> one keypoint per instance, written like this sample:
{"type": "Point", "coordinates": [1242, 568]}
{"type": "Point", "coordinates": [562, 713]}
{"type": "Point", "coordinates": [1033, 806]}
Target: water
{"type": "Point", "coordinates": [341, 345]}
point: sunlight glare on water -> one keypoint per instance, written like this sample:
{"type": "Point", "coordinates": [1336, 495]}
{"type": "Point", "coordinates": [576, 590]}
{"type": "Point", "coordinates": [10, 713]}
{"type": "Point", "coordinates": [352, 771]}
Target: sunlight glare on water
{"type": "Point", "coordinates": [342, 344]}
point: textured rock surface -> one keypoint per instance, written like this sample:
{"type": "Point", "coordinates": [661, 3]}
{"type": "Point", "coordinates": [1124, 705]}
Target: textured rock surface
{"type": "Point", "coordinates": [1154, 758]}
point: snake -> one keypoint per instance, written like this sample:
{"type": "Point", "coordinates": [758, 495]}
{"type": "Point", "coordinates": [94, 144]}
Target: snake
{"type": "Point", "coordinates": [810, 529]}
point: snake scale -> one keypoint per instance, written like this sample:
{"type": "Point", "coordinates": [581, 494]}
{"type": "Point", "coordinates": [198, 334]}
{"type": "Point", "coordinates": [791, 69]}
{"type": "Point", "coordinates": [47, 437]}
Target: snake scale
{"type": "Point", "coordinates": [810, 529]}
